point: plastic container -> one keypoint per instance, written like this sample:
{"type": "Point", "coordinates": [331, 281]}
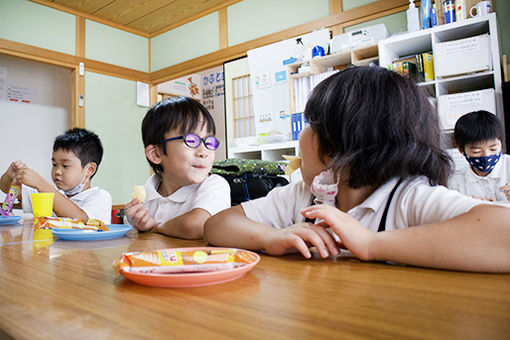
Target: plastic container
{"type": "Point", "coordinates": [413, 17]}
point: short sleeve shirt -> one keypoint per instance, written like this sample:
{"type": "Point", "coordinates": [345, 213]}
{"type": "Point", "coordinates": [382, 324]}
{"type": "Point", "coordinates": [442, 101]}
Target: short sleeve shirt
{"type": "Point", "coordinates": [467, 182]}
{"type": "Point", "coordinates": [212, 195]}
{"type": "Point", "coordinates": [415, 202]}
{"type": "Point", "coordinates": [95, 202]}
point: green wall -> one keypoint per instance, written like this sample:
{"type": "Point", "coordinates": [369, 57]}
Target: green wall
{"type": "Point", "coordinates": [502, 8]}
{"type": "Point", "coordinates": [350, 4]}
{"type": "Point", "coordinates": [33, 24]}
{"type": "Point", "coordinates": [250, 19]}
{"type": "Point", "coordinates": [115, 46]}
{"type": "Point", "coordinates": [112, 113]}
{"type": "Point", "coordinates": [185, 42]}
{"type": "Point", "coordinates": [395, 23]}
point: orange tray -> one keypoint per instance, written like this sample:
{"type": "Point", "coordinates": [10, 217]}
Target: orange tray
{"type": "Point", "coordinates": [183, 280]}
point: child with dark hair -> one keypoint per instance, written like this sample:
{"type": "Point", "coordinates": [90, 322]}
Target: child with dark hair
{"type": "Point", "coordinates": [371, 156]}
{"type": "Point", "coordinates": [478, 136]}
{"type": "Point", "coordinates": [76, 157]}
{"type": "Point", "coordinates": [178, 135]}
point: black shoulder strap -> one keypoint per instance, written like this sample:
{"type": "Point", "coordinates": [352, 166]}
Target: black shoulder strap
{"type": "Point", "coordinates": [308, 219]}
{"type": "Point", "coordinates": [382, 224]}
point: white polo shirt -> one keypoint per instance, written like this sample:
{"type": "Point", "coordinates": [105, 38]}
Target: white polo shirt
{"type": "Point", "coordinates": [415, 202]}
{"type": "Point", "coordinates": [466, 181]}
{"type": "Point", "coordinates": [96, 202]}
{"type": "Point", "coordinates": [212, 195]}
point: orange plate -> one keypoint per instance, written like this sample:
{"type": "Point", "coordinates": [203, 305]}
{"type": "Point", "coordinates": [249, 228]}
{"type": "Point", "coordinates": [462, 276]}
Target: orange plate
{"type": "Point", "coordinates": [193, 279]}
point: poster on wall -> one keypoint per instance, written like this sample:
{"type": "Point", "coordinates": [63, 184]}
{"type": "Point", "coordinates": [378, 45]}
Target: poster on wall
{"type": "Point", "coordinates": [270, 85]}
{"type": "Point", "coordinates": [188, 86]}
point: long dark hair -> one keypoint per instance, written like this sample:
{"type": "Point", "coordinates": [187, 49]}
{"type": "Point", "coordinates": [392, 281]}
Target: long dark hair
{"type": "Point", "coordinates": [376, 125]}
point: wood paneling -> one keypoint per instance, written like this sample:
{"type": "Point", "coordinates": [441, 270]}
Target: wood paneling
{"type": "Point", "coordinates": [362, 13]}
{"type": "Point", "coordinates": [143, 17]}
{"type": "Point", "coordinates": [223, 28]}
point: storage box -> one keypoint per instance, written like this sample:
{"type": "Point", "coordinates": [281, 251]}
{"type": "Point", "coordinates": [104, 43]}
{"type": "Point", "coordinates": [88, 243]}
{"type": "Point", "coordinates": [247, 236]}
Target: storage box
{"type": "Point", "coordinates": [453, 106]}
{"type": "Point", "coordinates": [362, 37]}
{"type": "Point", "coordinates": [462, 56]}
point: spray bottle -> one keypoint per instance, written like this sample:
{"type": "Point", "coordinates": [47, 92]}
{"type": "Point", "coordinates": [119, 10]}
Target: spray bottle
{"type": "Point", "coordinates": [413, 17]}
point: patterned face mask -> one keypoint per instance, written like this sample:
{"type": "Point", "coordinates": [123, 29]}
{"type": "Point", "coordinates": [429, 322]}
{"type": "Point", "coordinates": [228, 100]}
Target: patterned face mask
{"type": "Point", "coordinates": [483, 163]}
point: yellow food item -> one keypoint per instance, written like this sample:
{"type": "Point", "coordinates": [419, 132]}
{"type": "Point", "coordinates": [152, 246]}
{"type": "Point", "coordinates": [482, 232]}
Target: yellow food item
{"type": "Point", "coordinates": [139, 193]}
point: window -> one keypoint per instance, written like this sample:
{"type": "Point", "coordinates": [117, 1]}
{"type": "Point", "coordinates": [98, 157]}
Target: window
{"type": "Point", "coordinates": [244, 119]}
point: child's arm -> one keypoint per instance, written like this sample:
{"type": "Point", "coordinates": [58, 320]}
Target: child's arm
{"type": "Point", "coordinates": [188, 226]}
{"type": "Point", "coordinates": [231, 228]}
{"type": "Point", "coordinates": [8, 176]}
{"type": "Point", "coordinates": [62, 206]}
{"type": "Point", "coordinates": [478, 240]}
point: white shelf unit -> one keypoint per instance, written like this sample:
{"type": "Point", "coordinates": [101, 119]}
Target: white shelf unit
{"type": "Point", "coordinates": [423, 41]}
{"type": "Point", "coordinates": [268, 152]}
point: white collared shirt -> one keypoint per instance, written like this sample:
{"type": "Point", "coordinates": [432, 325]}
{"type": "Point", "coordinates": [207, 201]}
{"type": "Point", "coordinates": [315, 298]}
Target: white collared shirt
{"type": "Point", "coordinates": [212, 195]}
{"type": "Point", "coordinates": [466, 181]}
{"type": "Point", "coordinates": [415, 202]}
{"type": "Point", "coordinates": [95, 202]}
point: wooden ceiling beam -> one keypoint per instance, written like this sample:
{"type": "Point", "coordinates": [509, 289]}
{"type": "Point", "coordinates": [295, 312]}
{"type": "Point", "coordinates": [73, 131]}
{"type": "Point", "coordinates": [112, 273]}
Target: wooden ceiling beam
{"type": "Point", "coordinates": [216, 58]}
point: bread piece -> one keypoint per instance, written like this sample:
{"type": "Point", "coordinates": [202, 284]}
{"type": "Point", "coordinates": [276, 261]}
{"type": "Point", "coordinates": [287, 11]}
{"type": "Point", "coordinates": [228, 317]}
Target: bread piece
{"type": "Point", "coordinates": [139, 193]}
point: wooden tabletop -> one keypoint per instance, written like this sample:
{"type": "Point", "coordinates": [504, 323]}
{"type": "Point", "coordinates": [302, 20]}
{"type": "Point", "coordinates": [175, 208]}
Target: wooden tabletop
{"type": "Point", "coordinates": [55, 289]}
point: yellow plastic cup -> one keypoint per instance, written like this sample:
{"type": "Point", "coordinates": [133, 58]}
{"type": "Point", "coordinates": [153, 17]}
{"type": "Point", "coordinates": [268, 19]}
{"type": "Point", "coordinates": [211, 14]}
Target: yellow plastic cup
{"type": "Point", "coordinates": [42, 204]}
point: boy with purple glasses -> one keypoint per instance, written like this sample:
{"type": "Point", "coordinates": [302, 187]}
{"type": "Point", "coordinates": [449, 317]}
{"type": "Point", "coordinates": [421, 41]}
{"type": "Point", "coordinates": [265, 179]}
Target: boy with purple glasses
{"type": "Point", "coordinates": [178, 135]}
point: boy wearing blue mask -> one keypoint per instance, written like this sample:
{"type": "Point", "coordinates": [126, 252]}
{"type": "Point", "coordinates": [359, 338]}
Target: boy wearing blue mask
{"type": "Point", "coordinates": [478, 136]}
{"type": "Point", "coordinates": [76, 157]}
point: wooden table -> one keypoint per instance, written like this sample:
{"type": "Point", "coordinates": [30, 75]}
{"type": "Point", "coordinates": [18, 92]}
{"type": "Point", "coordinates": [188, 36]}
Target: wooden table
{"type": "Point", "coordinates": [68, 290]}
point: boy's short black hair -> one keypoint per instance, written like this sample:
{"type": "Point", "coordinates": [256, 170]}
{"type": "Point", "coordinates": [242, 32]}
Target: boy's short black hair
{"type": "Point", "coordinates": [376, 125]}
{"type": "Point", "coordinates": [477, 126]}
{"type": "Point", "coordinates": [183, 114]}
{"type": "Point", "coordinates": [83, 143]}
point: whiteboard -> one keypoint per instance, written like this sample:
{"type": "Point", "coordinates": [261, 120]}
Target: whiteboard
{"type": "Point", "coordinates": [270, 85]}
{"type": "Point", "coordinates": [29, 129]}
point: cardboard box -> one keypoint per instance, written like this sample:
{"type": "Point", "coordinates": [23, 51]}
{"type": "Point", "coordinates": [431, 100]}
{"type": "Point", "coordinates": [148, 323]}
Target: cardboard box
{"type": "Point", "coordinates": [463, 56]}
{"type": "Point", "coordinates": [453, 106]}
{"type": "Point", "coordinates": [428, 66]}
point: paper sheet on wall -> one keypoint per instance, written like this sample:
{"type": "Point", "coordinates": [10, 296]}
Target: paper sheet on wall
{"type": "Point", "coordinates": [270, 84]}
{"type": "Point", "coordinates": [16, 94]}
{"type": "Point", "coordinates": [142, 94]}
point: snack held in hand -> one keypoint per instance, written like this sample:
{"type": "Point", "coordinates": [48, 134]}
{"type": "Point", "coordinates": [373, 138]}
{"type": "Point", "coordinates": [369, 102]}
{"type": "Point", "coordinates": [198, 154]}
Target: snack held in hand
{"type": "Point", "coordinates": [6, 206]}
{"type": "Point", "coordinates": [139, 193]}
{"type": "Point", "coordinates": [171, 261]}
{"type": "Point", "coordinates": [71, 223]}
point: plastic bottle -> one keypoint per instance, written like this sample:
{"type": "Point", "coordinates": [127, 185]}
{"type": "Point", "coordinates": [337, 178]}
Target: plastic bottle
{"type": "Point", "coordinates": [413, 17]}
{"type": "Point", "coordinates": [433, 15]}
{"type": "Point", "coordinates": [300, 49]}
{"type": "Point", "coordinates": [426, 6]}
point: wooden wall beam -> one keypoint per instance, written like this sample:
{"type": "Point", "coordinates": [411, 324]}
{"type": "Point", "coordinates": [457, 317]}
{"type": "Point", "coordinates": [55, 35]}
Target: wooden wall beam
{"type": "Point", "coordinates": [335, 6]}
{"type": "Point", "coordinates": [223, 28]}
{"type": "Point", "coordinates": [66, 60]}
{"type": "Point", "coordinates": [232, 52]}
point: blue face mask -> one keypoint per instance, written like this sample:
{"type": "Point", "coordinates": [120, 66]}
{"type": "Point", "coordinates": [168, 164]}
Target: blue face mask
{"type": "Point", "coordinates": [484, 163]}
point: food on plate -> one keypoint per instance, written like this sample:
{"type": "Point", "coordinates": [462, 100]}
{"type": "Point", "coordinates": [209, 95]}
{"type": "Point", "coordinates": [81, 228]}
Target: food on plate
{"type": "Point", "coordinates": [72, 223]}
{"type": "Point", "coordinates": [172, 261]}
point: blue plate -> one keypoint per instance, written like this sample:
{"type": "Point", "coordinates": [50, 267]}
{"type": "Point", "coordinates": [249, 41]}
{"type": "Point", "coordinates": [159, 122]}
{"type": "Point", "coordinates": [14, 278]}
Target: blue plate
{"type": "Point", "coordinates": [115, 231]}
{"type": "Point", "coordinates": [9, 220]}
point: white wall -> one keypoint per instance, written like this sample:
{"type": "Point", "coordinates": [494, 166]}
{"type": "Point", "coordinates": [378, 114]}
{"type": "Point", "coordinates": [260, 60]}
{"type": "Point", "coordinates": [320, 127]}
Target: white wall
{"type": "Point", "coordinates": [29, 129]}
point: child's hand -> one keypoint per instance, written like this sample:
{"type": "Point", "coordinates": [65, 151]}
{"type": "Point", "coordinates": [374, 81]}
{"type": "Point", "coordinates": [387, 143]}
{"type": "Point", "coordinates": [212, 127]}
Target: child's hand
{"type": "Point", "coordinates": [138, 215]}
{"type": "Point", "coordinates": [506, 189]}
{"type": "Point", "coordinates": [353, 234]}
{"type": "Point", "coordinates": [301, 236]}
{"type": "Point", "coordinates": [14, 167]}
{"type": "Point", "coordinates": [30, 177]}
